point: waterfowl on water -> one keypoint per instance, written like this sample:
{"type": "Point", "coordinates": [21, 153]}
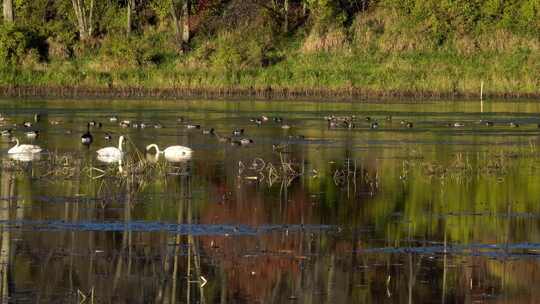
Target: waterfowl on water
{"type": "Point", "coordinates": [112, 153]}
{"type": "Point", "coordinates": [87, 138]}
{"type": "Point", "coordinates": [388, 118]}
{"type": "Point", "coordinates": [173, 153]}
{"type": "Point", "coordinates": [24, 149]}
{"type": "Point", "coordinates": [237, 132]}
{"type": "Point", "coordinates": [107, 136]}
{"type": "Point", "coordinates": [6, 133]}
{"type": "Point", "coordinates": [208, 131]}
{"type": "Point", "coordinates": [125, 123]}
{"type": "Point", "coordinates": [190, 126]}
{"type": "Point", "coordinates": [368, 118]}
{"type": "Point", "coordinates": [278, 119]}
{"type": "Point", "coordinates": [408, 124]}
{"type": "Point", "coordinates": [246, 141]}
{"type": "Point", "coordinates": [374, 125]}
{"type": "Point", "coordinates": [158, 126]}
{"type": "Point", "coordinates": [32, 134]}
{"type": "Point", "coordinates": [514, 124]}
{"type": "Point", "coordinates": [489, 124]}
{"type": "Point", "coordinates": [264, 118]}
{"type": "Point", "coordinates": [113, 119]}
{"type": "Point", "coordinates": [37, 117]}
{"type": "Point", "coordinates": [94, 124]}
{"type": "Point", "coordinates": [457, 125]}
{"type": "Point", "coordinates": [285, 126]}
{"type": "Point", "coordinates": [27, 124]}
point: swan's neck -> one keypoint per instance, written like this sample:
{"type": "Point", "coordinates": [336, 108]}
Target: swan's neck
{"type": "Point", "coordinates": [16, 143]}
{"type": "Point", "coordinates": [120, 141]}
{"type": "Point", "coordinates": [154, 146]}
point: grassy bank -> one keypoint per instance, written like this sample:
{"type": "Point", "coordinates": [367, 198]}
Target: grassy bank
{"type": "Point", "coordinates": [379, 51]}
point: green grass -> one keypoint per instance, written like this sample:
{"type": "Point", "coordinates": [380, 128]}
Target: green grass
{"type": "Point", "coordinates": [436, 71]}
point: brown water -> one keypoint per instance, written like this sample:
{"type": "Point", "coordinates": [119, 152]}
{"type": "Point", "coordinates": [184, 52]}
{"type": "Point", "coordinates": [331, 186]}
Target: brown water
{"type": "Point", "coordinates": [429, 214]}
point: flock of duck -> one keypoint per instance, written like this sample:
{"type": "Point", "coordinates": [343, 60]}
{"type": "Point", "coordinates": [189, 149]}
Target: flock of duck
{"type": "Point", "coordinates": [112, 154]}
{"type": "Point", "coordinates": [177, 152]}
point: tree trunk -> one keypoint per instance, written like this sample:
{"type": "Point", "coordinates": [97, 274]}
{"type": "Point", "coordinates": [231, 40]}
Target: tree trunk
{"type": "Point", "coordinates": [8, 11]}
{"type": "Point", "coordinates": [286, 21]}
{"type": "Point", "coordinates": [175, 24]}
{"type": "Point", "coordinates": [185, 22]}
{"type": "Point", "coordinates": [129, 12]}
{"type": "Point", "coordinates": [84, 18]}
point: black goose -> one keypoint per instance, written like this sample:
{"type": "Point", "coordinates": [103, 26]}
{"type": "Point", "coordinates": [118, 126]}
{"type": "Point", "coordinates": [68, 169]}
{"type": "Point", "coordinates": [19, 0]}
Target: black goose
{"type": "Point", "coordinates": [87, 138]}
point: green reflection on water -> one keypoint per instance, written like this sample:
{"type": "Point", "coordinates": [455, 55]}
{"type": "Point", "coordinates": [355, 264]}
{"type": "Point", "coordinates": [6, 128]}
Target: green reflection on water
{"type": "Point", "coordinates": [395, 197]}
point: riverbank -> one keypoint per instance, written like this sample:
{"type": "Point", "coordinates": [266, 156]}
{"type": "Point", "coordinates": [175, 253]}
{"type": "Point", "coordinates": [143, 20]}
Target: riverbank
{"type": "Point", "coordinates": [378, 50]}
{"type": "Point", "coordinates": [268, 93]}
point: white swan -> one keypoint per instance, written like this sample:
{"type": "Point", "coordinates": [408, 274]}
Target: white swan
{"type": "Point", "coordinates": [111, 154]}
{"type": "Point", "coordinates": [24, 149]}
{"type": "Point", "coordinates": [25, 157]}
{"type": "Point", "coordinates": [173, 153]}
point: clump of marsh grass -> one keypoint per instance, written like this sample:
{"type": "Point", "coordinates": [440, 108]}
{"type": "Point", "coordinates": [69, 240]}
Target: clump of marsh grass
{"type": "Point", "coordinates": [285, 171]}
{"type": "Point", "coordinates": [135, 167]}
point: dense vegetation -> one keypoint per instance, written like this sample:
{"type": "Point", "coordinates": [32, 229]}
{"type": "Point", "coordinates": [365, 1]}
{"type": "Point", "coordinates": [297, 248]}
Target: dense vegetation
{"type": "Point", "coordinates": [444, 46]}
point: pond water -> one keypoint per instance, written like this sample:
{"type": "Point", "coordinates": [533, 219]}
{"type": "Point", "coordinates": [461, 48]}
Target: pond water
{"type": "Point", "coordinates": [311, 214]}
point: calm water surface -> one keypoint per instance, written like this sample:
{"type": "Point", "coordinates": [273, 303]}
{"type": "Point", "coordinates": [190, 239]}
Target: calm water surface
{"type": "Point", "coordinates": [429, 214]}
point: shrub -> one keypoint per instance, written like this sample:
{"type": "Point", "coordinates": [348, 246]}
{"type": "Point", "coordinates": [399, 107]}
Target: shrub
{"type": "Point", "coordinates": [16, 42]}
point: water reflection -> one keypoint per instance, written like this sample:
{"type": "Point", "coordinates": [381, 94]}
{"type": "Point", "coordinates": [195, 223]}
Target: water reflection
{"type": "Point", "coordinates": [424, 215]}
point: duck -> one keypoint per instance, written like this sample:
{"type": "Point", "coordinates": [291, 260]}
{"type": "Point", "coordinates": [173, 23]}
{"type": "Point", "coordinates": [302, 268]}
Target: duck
{"type": "Point", "coordinates": [32, 134]}
{"type": "Point", "coordinates": [87, 138]}
{"type": "Point", "coordinates": [112, 154]}
{"type": "Point", "coordinates": [374, 125]}
{"type": "Point", "coordinates": [113, 118]}
{"type": "Point", "coordinates": [489, 124]}
{"type": "Point", "coordinates": [264, 118]}
{"type": "Point", "coordinates": [238, 132]}
{"type": "Point", "coordinates": [246, 141]}
{"type": "Point", "coordinates": [172, 153]}
{"type": "Point", "coordinates": [24, 149]}
{"type": "Point", "coordinates": [157, 126]}
{"type": "Point", "coordinates": [409, 124]}
{"type": "Point", "coordinates": [514, 124]}
{"type": "Point", "coordinates": [457, 125]}
{"type": "Point", "coordinates": [94, 124]}
{"type": "Point", "coordinates": [190, 126]}
{"type": "Point", "coordinates": [107, 136]}
{"type": "Point", "coordinates": [208, 131]}
{"type": "Point", "coordinates": [37, 117]}
{"type": "Point", "coordinates": [27, 124]}
{"type": "Point", "coordinates": [6, 133]}
{"type": "Point", "coordinates": [278, 119]}
{"type": "Point", "coordinates": [125, 123]}
{"type": "Point", "coordinates": [285, 126]}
